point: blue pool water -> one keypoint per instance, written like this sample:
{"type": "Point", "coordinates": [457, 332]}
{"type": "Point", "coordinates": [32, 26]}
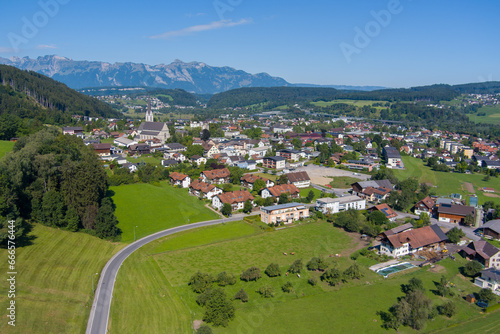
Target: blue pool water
{"type": "Point", "coordinates": [394, 268]}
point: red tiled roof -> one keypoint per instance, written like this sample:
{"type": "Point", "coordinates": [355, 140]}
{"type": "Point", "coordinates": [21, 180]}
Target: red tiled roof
{"type": "Point", "coordinates": [387, 210]}
{"type": "Point", "coordinates": [251, 178]}
{"type": "Point", "coordinates": [277, 190]}
{"type": "Point", "coordinates": [428, 202]}
{"type": "Point", "coordinates": [237, 196]}
{"type": "Point", "coordinates": [177, 176]}
{"type": "Point", "coordinates": [417, 238]}
{"type": "Point", "coordinates": [216, 173]}
{"type": "Point", "coordinates": [201, 186]}
{"type": "Point", "coordinates": [298, 177]}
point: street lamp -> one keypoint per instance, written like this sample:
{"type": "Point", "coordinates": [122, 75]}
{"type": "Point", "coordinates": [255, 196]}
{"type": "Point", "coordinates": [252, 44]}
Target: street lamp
{"type": "Point", "coordinates": [134, 232]}
{"type": "Point", "coordinates": [92, 278]}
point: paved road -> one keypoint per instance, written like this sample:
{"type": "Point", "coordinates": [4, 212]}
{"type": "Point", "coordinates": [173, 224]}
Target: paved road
{"type": "Point", "coordinates": [99, 314]}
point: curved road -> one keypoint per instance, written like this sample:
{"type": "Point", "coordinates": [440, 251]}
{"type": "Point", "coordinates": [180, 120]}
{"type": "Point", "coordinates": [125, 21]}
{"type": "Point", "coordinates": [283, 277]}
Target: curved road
{"type": "Point", "coordinates": [99, 314]}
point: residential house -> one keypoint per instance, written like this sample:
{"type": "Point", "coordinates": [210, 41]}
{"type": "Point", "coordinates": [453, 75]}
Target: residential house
{"type": "Point", "coordinates": [102, 149]}
{"type": "Point", "coordinates": [389, 213]}
{"type": "Point", "coordinates": [205, 190]}
{"type": "Point", "coordinates": [274, 162]}
{"type": "Point", "coordinates": [277, 190]}
{"type": "Point", "coordinates": [392, 157]}
{"type": "Point", "coordinates": [375, 194]}
{"type": "Point", "coordinates": [334, 205]}
{"type": "Point", "coordinates": [216, 176]}
{"type": "Point", "coordinates": [283, 213]}
{"type": "Point", "coordinates": [175, 147]}
{"type": "Point", "coordinates": [178, 179]}
{"type": "Point", "coordinates": [299, 179]}
{"type": "Point", "coordinates": [483, 252]}
{"type": "Point", "coordinates": [131, 167]}
{"type": "Point", "coordinates": [424, 206]}
{"type": "Point", "coordinates": [453, 213]}
{"type": "Point", "coordinates": [124, 142]}
{"type": "Point", "coordinates": [413, 240]}
{"type": "Point", "coordinates": [248, 180]}
{"type": "Point", "coordinates": [395, 230]}
{"type": "Point", "coordinates": [490, 279]}
{"type": "Point", "coordinates": [247, 164]}
{"type": "Point", "coordinates": [139, 149]}
{"type": "Point", "coordinates": [290, 155]}
{"type": "Point", "coordinates": [73, 130]}
{"type": "Point", "coordinates": [358, 187]}
{"type": "Point", "coordinates": [169, 162]}
{"type": "Point", "coordinates": [236, 199]}
{"type": "Point", "coordinates": [198, 160]}
{"type": "Point", "coordinates": [260, 151]}
{"type": "Point", "coordinates": [492, 229]}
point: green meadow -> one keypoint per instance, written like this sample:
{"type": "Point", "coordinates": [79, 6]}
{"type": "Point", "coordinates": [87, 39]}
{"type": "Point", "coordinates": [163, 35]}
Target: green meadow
{"type": "Point", "coordinates": [153, 208]}
{"type": "Point", "coordinates": [357, 103]}
{"type": "Point", "coordinates": [491, 115]}
{"type": "Point", "coordinates": [448, 183]}
{"type": "Point", "coordinates": [54, 281]}
{"type": "Point", "coordinates": [152, 290]}
{"type": "Point", "coordinates": [5, 147]}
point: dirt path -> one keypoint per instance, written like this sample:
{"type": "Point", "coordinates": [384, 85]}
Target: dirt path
{"type": "Point", "coordinates": [469, 187]}
{"type": "Point", "coordinates": [491, 195]}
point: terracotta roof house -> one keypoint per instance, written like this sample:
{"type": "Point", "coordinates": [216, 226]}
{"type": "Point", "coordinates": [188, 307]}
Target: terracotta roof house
{"type": "Point", "coordinates": [216, 176]}
{"type": "Point", "coordinates": [102, 149]}
{"type": "Point", "coordinates": [205, 190]}
{"type": "Point", "coordinates": [299, 179]}
{"type": "Point", "coordinates": [492, 229]}
{"type": "Point", "coordinates": [453, 213]}
{"type": "Point", "coordinates": [277, 190]}
{"type": "Point", "coordinates": [412, 241]}
{"type": "Point", "coordinates": [358, 187]}
{"type": "Point", "coordinates": [178, 179]}
{"type": "Point", "coordinates": [396, 230]}
{"type": "Point", "coordinates": [389, 213]}
{"type": "Point", "coordinates": [248, 180]}
{"type": "Point", "coordinates": [424, 206]}
{"type": "Point", "coordinates": [376, 194]}
{"type": "Point", "coordinates": [484, 252]}
{"type": "Point", "coordinates": [237, 199]}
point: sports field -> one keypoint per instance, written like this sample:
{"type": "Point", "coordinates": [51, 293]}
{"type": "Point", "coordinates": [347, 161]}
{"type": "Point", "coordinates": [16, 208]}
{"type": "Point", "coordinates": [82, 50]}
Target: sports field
{"type": "Point", "coordinates": [148, 208]}
{"type": "Point", "coordinates": [54, 281]}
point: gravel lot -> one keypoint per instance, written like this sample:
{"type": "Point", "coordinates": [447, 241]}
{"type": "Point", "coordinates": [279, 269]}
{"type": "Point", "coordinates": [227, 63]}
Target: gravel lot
{"type": "Point", "coordinates": [320, 175]}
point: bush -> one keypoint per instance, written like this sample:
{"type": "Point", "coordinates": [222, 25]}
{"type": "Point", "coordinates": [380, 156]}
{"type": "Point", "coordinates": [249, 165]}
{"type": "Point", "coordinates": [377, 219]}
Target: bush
{"type": "Point", "coordinates": [251, 274]}
{"type": "Point", "coordinates": [296, 267]}
{"type": "Point", "coordinates": [317, 263]}
{"type": "Point", "coordinates": [241, 295]}
{"type": "Point", "coordinates": [224, 279]}
{"type": "Point", "coordinates": [332, 276]}
{"type": "Point", "coordinates": [204, 297]}
{"type": "Point", "coordinates": [448, 309]}
{"type": "Point", "coordinates": [266, 291]}
{"type": "Point", "coordinates": [486, 295]}
{"type": "Point", "coordinates": [200, 282]}
{"type": "Point", "coordinates": [472, 268]}
{"type": "Point", "coordinates": [313, 281]}
{"type": "Point", "coordinates": [273, 270]}
{"type": "Point", "coordinates": [353, 272]}
{"type": "Point", "coordinates": [204, 329]}
{"type": "Point", "coordinates": [287, 287]}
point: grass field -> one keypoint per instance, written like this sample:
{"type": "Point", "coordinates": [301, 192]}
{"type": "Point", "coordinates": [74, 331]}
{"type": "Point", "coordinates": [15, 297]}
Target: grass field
{"type": "Point", "coordinates": [54, 287]}
{"type": "Point", "coordinates": [155, 208]}
{"type": "Point", "coordinates": [267, 176]}
{"type": "Point", "coordinates": [488, 323]}
{"type": "Point", "coordinates": [343, 182]}
{"type": "Point", "coordinates": [357, 103]}
{"type": "Point", "coordinates": [351, 307]}
{"type": "Point", "coordinates": [492, 115]}
{"type": "Point", "coordinates": [305, 191]}
{"type": "Point", "coordinates": [448, 183]}
{"type": "Point", "coordinates": [5, 146]}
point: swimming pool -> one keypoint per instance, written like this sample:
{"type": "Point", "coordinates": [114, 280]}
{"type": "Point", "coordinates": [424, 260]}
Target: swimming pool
{"type": "Point", "coordinates": [394, 268]}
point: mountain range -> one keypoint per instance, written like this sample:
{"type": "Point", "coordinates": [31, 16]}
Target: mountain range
{"type": "Point", "coordinates": [195, 77]}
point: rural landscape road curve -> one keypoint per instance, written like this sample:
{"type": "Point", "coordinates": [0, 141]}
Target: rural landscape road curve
{"type": "Point", "coordinates": [99, 314]}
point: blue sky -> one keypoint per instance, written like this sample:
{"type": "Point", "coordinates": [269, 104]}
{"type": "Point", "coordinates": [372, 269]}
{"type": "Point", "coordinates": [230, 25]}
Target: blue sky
{"type": "Point", "coordinates": [367, 42]}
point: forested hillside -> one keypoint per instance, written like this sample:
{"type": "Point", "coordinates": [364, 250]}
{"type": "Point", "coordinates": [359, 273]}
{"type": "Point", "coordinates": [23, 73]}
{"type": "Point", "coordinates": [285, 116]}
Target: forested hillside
{"type": "Point", "coordinates": [27, 94]}
{"type": "Point", "coordinates": [55, 180]}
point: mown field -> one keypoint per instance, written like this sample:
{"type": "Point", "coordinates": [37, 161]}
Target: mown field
{"type": "Point", "coordinates": [153, 208]}
{"type": "Point", "coordinates": [357, 103]}
{"type": "Point", "coordinates": [448, 183]}
{"type": "Point", "coordinates": [5, 146]}
{"type": "Point", "coordinates": [159, 294]}
{"type": "Point", "coordinates": [491, 115]}
{"type": "Point", "coordinates": [343, 182]}
{"type": "Point", "coordinates": [54, 287]}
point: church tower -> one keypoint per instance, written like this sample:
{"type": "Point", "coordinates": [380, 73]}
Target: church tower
{"type": "Point", "coordinates": [149, 113]}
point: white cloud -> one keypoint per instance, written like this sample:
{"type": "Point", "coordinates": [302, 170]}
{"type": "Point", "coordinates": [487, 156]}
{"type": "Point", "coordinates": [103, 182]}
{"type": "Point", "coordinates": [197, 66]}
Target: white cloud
{"type": "Point", "coordinates": [7, 50]}
{"type": "Point", "coordinates": [203, 27]}
{"type": "Point", "coordinates": [190, 15]}
{"type": "Point", "coordinates": [44, 47]}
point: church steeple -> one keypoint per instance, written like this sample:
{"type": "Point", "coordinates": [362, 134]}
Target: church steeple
{"type": "Point", "coordinates": [149, 113]}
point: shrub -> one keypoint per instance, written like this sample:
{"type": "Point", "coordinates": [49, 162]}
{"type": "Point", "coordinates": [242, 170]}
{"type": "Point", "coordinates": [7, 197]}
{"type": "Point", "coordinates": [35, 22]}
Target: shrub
{"type": "Point", "coordinates": [448, 309]}
{"type": "Point", "coordinates": [472, 268]}
{"type": "Point", "coordinates": [313, 281]}
{"type": "Point", "coordinates": [287, 287]}
{"type": "Point", "coordinates": [317, 263]}
{"type": "Point", "coordinates": [266, 291]}
{"type": "Point", "coordinates": [200, 282]}
{"type": "Point", "coordinates": [296, 267]}
{"type": "Point", "coordinates": [224, 279]}
{"type": "Point", "coordinates": [332, 276]}
{"type": "Point", "coordinates": [486, 295]}
{"type": "Point", "coordinates": [353, 272]}
{"type": "Point", "coordinates": [241, 295]}
{"type": "Point", "coordinates": [204, 329]}
{"type": "Point", "coordinates": [251, 274]}
{"type": "Point", "coordinates": [273, 270]}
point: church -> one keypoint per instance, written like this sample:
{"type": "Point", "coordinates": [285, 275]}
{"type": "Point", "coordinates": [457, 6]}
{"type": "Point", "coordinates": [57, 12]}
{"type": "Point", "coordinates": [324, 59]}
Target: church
{"type": "Point", "coordinates": [150, 129]}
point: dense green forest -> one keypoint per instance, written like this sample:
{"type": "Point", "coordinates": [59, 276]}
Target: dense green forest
{"type": "Point", "coordinates": [33, 95]}
{"type": "Point", "coordinates": [55, 180]}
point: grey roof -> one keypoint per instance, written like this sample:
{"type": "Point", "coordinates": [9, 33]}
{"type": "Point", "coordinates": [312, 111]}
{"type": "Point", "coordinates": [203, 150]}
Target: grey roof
{"type": "Point", "coordinates": [459, 210]}
{"type": "Point", "coordinates": [175, 146]}
{"type": "Point", "coordinates": [439, 232]}
{"type": "Point", "coordinates": [275, 158]}
{"type": "Point", "coordinates": [340, 200]}
{"type": "Point", "coordinates": [282, 206]}
{"type": "Point", "coordinates": [150, 133]}
{"type": "Point", "coordinates": [375, 184]}
{"type": "Point", "coordinates": [151, 126]}
{"type": "Point", "coordinates": [493, 225]}
{"type": "Point", "coordinates": [399, 229]}
{"type": "Point", "coordinates": [491, 273]}
{"type": "Point", "coordinates": [392, 152]}
{"type": "Point", "coordinates": [443, 200]}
